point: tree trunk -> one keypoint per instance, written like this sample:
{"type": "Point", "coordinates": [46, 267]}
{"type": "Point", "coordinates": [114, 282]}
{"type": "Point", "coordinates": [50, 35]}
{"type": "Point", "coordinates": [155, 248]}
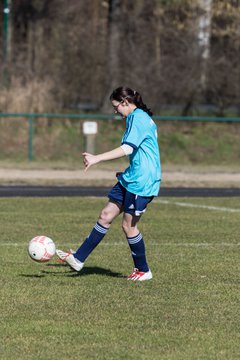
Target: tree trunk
{"type": "Point", "coordinates": [114, 44]}
{"type": "Point", "coordinates": [203, 36]}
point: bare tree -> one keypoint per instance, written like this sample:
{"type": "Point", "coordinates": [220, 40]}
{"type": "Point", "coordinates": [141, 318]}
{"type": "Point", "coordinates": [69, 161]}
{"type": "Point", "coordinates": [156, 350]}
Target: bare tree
{"type": "Point", "coordinates": [176, 52]}
{"type": "Point", "coordinates": [224, 68]}
{"type": "Point", "coordinates": [114, 47]}
{"type": "Point", "coordinates": [203, 37]}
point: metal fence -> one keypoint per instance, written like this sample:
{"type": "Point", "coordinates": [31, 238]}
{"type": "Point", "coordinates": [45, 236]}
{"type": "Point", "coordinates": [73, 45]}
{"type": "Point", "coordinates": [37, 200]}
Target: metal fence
{"type": "Point", "coordinates": [30, 118]}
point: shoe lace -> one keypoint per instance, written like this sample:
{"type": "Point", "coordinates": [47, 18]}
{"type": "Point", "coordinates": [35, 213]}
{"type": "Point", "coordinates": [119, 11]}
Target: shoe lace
{"type": "Point", "coordinates": [135, 271]}
{"type": "Point", "coordinates": [64, 259]}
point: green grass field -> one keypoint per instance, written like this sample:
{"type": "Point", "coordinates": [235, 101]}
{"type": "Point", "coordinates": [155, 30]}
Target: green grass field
{"type": "Point", "coordinates": [190, 310]}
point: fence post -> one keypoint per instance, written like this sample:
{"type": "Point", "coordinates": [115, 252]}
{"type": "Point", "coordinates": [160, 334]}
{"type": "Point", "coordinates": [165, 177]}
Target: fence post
{"type": "Point", "coordinates": [30, 138]}
{"type": "Point", "coordinates": [90, 129]}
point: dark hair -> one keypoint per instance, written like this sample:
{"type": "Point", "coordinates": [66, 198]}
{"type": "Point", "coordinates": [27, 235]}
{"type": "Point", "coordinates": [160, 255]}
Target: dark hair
{"type": "Point", "coordinates": [132, 96]}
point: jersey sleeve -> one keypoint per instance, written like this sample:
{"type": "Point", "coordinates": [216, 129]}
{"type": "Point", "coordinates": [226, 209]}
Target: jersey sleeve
{"type": "Point", "coordinates": [135, 132]}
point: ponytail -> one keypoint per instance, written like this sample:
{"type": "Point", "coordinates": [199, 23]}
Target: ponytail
{"type": "Point", "coordinates": [125, 93]}
{"type": "Point", "coordinates": [140, 104]}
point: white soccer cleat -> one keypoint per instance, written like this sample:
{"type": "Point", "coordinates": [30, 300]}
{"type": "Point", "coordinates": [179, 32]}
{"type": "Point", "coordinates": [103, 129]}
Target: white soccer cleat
{"type": "Point", "coordinates": [69, 258]}
{"type": "Point", "coordinates": [137, 275]}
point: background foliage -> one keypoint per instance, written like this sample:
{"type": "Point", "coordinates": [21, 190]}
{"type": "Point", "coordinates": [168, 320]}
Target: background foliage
{"type": "Point", "coordinates": [62, 54]}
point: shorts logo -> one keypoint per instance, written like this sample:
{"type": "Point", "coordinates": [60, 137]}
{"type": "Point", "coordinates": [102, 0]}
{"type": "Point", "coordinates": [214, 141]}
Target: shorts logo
{"type": "Point", "coordinates": [131, 206]}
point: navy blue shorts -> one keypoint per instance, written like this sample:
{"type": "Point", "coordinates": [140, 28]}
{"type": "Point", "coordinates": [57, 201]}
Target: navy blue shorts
{"type": "Point", "coordinates": [131, 203]}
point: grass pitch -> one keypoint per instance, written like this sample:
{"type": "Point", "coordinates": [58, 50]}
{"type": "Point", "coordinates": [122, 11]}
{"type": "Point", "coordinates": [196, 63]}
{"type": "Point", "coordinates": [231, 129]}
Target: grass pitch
{"type": "Point", "coordinates": [190, 310]}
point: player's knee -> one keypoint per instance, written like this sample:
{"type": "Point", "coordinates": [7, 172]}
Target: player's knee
{"type": "Point", "coordinates": [105, 217]}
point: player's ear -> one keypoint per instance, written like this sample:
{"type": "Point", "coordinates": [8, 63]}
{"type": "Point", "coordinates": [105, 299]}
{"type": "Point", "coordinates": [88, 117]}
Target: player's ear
{"type": "Point", "coordinates": [125, 102]}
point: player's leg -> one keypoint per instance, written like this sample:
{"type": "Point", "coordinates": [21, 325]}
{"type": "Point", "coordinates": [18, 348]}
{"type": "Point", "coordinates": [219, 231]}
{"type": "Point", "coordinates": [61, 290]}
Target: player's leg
{"type": "Point", "coordinates": [135, 241]}
{"type": "Point", "coordinates": [107, 215]}
{"type": "Point", "coordinates": [134, 207]}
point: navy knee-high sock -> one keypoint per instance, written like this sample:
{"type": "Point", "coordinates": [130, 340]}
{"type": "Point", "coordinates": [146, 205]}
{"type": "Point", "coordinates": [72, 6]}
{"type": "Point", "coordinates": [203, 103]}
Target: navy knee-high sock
{"type": "Point", "coordinates": [137, 247]}
{"type": "Point", "coordinates": [93, 239]}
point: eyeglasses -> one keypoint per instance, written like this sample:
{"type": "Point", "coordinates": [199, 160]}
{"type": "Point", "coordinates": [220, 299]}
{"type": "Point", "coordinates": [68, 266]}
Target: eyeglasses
{"type": "Point", "coordinates": [116, 106]}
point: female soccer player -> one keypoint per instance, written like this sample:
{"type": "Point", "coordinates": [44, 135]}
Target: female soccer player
{"type": "Point", "coordinates": [136, 186]}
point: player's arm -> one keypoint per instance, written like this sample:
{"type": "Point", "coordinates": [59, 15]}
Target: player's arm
{"type": "Point", "coordinates": [89, 159]}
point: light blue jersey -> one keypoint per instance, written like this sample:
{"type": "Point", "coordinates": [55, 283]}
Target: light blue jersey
{"type": "Point", "coordinates": [143, 175]}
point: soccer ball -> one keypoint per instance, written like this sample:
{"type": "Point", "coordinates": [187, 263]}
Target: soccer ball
{"type": "Point", "coordinates": [41, 248]}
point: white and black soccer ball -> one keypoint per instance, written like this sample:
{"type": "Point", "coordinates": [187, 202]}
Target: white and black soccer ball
{"type": "Point", "coordinates": [41, 248]}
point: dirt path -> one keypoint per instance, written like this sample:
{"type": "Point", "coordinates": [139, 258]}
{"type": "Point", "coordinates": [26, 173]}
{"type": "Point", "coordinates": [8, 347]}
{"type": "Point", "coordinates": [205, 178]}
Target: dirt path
{"type": "Point", "coordinates": [172, 178]}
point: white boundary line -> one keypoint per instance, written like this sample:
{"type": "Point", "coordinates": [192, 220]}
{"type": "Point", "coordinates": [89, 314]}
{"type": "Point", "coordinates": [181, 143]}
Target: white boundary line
{"type": "Point", "coordinates": [183, 204]}
{"type": "Point", "coordinates": [124, 243]}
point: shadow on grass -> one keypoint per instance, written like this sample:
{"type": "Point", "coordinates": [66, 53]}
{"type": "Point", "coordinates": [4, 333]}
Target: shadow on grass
{"type": "Point", "coordinates": [88, 270]}
{"type": "Point", "coordinates": [32, 276]}
{"type": "Point", "coordinates": [95, 270]}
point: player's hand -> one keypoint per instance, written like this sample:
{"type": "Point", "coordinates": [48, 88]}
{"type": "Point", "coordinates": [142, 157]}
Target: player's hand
{"type": "Point", "coordinates": [89, 160]}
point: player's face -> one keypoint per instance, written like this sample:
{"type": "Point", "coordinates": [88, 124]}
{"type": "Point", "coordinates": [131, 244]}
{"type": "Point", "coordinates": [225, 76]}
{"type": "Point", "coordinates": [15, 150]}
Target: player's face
{"type": "Point", "coordinates": [117, 106]}
{"type": "Point", "coordinates": [121, 107]}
